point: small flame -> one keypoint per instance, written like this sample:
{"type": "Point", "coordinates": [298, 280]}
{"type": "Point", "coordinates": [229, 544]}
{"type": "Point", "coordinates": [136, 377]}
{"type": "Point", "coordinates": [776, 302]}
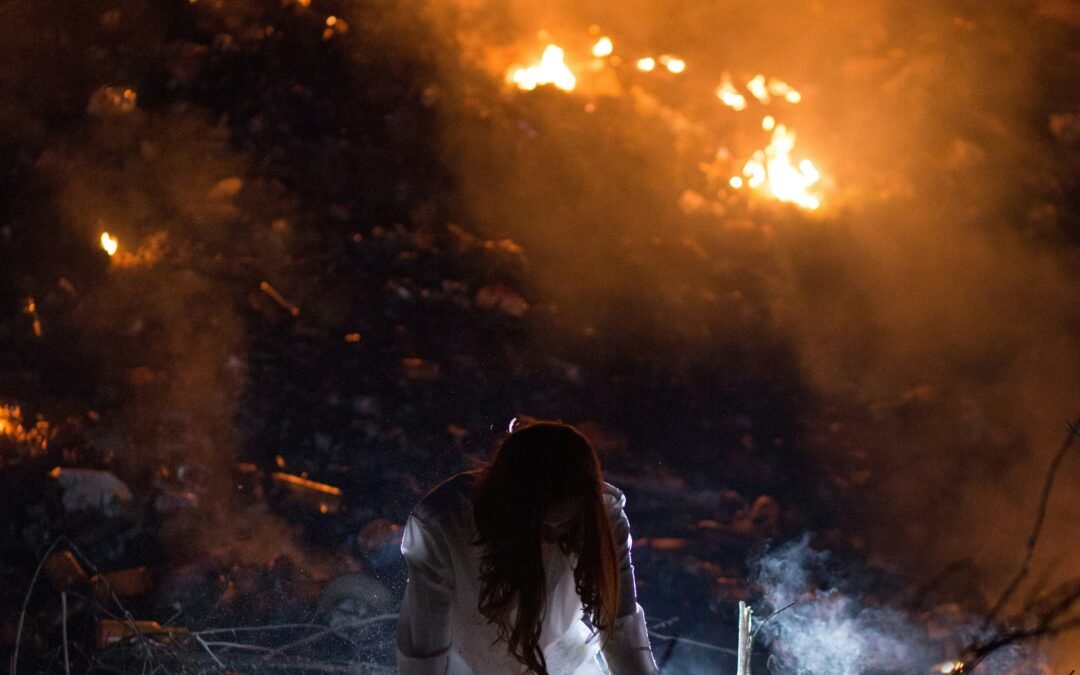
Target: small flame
{"type": "Point", "coordinates": [647, 64]}
{"type": "Point", "coordinates": [780, 88]}
{"type": "Point", "coordinates": [551, 70]}
{"type": "Point", "coordinates": [950, 667]}
{"type": "Point", "coordinates": [757, 87]}
{"type": "Point", "coordinates": [110, 243]}
{"type": "Point", "coordinates": [673, 64]}
{"type": "Point", "coordinates": [603, 47]}
{"type": "Point", "coordinates": [729, 95]}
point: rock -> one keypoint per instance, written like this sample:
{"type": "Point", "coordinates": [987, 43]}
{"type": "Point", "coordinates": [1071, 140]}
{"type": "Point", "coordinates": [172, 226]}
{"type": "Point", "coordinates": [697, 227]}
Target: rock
{"type": "Point", "coordinates": [91, 489]}
{"type": "Point", "coordinates": [351, 598]}
{"type": "Point", "coordinates": [502, 298]}
{"type": "Point", "coordinates": [127, 583]}
{"type": "Point", "coordinates": [64, 571]}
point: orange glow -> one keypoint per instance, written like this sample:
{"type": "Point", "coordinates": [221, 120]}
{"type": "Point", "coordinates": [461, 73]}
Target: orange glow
{"type": "Point", "coordinates": [110, 243]}
{"type": "Point", "coordinates": [551, 70]}
{"type": "Point", "coordinates": [603, 47]}
{"type": "Point", "coordinates": [647, 64]}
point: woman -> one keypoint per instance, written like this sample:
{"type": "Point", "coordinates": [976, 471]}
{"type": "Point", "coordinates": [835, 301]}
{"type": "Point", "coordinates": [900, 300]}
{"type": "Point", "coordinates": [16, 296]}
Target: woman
{"type": "Point", "coordinates": [506, 561]}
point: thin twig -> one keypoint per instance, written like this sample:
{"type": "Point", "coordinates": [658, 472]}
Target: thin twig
{"type": "Point", "coordinates": [665, 622]}
{"type": "Point", "coordinates": [1036, 530]}
{"type": "Point", "coordinates": [210, 652]}
{"type": "Point", "coordinates": [250, 629]}
{"type": "Point", "coordinates": [26, 602]}
{"type": "Point", "coordinates": [63, 630]}
{"type": "Point", "coordinates": [766, 620]}
{"type": "Point", "coordinates": [695, 643]}
{"type": "Point", "coordinates": [240, 645]}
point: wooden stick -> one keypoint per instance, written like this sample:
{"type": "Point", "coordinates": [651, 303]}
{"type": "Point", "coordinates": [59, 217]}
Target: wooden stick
{"type": "Point", "coordinates": [743, 663]}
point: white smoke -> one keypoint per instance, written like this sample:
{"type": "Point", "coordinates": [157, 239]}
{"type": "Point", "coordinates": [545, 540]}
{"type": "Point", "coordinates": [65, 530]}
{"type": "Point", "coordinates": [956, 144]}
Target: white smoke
{"type": "Point", "coordinates": [830, 630]}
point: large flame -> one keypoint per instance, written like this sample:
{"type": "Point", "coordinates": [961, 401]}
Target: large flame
{"type": "Point", "coordinates": [551, 70]}
{"type": "Point", "coordinates": [772, 171]}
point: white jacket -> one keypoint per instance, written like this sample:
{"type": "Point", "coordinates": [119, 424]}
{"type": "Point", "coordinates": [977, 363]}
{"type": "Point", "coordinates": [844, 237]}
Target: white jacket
{"type": "Point", "coordinates": [441, 631]}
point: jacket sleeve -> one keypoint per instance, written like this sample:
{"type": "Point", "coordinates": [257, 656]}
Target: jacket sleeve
{"type": "Point", "coordinates": [423, 632]}
{"type": "Point", "coordinates": [628, 651]}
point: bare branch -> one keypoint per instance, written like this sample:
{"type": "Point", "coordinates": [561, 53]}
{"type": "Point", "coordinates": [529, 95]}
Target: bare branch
{"type": "Point", "coordinates": [1036, 530]}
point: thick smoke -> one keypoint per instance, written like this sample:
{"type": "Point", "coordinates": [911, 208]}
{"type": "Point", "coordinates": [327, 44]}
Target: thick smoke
{"type": "Point", "coordinates": [930, 310]}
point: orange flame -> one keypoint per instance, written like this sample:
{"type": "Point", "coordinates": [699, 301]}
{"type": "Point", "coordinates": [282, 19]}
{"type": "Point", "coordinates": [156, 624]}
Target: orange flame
{"type": "Point", "coordinates": [771, 170]}
{"type": "Point", "coordinates": [603, 47]}
{"type": "Point", "coordinates": [110, 243]}
{"type": "Point", "coordinates": [729, 95]}
{"type": "Point", "coordinates": [551, 70]}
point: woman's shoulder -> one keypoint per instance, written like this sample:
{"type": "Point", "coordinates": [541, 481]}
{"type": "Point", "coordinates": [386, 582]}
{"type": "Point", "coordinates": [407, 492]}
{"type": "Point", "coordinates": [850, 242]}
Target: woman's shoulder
{"type": "Point", "coordinates": [446, 500]}
{"type": "Point", "coordinates": [614, 498]}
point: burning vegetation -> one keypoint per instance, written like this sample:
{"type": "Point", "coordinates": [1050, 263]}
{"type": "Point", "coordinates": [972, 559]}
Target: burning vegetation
{"type": "Point", "coordinates": [805, 274]}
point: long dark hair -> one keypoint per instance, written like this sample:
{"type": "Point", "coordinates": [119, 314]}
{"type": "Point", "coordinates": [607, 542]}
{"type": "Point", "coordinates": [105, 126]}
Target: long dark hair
{"type": "Point", "coordinates": [539, 465]}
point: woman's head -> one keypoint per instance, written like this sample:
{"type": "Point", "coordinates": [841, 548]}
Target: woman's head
{"type": "Point", "coordinates": [543, 485]}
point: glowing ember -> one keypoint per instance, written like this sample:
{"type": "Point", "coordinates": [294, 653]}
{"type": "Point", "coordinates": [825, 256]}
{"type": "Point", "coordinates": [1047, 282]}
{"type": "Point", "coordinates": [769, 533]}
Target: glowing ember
{"type": "Point", "coordinates": [551, 70]}
{"type": "Point", "coordinates": [647, 64]}
{"type": "Point", "coordinates": [950, 667]}
{"type": "Point", "coordinates": [673, 64]}
{"type": "Point", "coordinates": [33, 440]}
{"type": "Point", "coordinates": [771, 170]}
{"type": "Point", "coordinates": [729, 95]}
{"type": "Point", "coordinates": [602, 48]}
{"type": "Point", "coordinates": [736, 182]}
{"type": "Point", "coordinates": [31, 309]}
{"type": "Point", "coordinates": [109, 243]}
{"type": "Point", "coordinates": [768, 123]}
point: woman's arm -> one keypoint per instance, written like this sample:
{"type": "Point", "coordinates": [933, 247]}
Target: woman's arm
{"type": "Point", "coordinates": [423, 632]}
{"type": "Point", "coordinates": [628, 651]}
